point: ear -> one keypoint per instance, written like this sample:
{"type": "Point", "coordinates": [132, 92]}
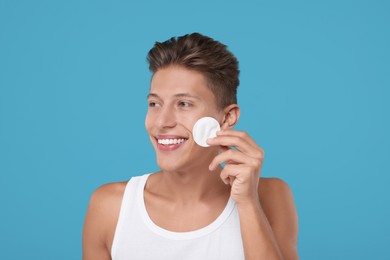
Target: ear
{"type": "Point", "coordinates": [231, 116]}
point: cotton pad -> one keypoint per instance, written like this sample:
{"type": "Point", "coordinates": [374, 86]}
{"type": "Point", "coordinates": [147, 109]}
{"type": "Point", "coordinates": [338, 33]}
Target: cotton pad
{"type": "Point", "coordinates": [205, 128]}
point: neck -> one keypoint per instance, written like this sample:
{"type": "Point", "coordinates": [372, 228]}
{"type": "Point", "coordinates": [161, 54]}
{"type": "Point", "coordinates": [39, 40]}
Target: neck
{"type": "Point", "coordinates": [192, 186]}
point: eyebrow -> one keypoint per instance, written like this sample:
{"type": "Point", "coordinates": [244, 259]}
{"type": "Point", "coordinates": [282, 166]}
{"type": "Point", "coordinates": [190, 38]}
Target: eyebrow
{"type": "Point", "coordinates": [179, 95]}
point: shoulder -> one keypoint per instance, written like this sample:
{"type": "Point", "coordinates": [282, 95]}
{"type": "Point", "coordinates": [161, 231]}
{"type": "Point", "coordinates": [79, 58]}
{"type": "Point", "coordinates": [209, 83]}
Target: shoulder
{"type": "Point", "coordinates": [109, 192]}
{"type": "Point", "coordinates": [273, 186]}
{"type": "Point", "coordinates": [100, 220]}
{"type": "Point", "coordinates": [105, 203]}
{"type": "Point", "coordinates": [103, 209]}
{"type": "Point", "coordinates": [276, 198]}
{"type": "Point", "coordinates": [106, 196]}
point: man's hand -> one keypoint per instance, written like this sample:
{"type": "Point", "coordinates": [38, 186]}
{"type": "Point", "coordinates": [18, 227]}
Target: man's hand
{"type": "Point", "coordinates": [243, 164]}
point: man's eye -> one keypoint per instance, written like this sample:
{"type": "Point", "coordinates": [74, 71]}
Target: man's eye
{"type": "Point", "coordinates": [184, 104]}
{"type": "Point", "coordinates": [153, 104]}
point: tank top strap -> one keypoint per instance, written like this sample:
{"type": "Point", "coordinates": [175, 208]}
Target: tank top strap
{"type": "Point", "coordinates": [129, 201]}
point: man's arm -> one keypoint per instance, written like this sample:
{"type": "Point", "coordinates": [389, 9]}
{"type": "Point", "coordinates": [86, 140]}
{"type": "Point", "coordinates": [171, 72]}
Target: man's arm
{"type": "Point", "coordinates": [277, 201]}
{"type": "Point", "coordinates": [269, 227]}
{"type": "Point", "coordinates": [267, 212]}
{"type": "Point", "coordinates": [100, 221]}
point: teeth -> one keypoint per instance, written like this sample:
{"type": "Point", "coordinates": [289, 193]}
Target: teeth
{"type": "Point", "coordinates": [170, 141]}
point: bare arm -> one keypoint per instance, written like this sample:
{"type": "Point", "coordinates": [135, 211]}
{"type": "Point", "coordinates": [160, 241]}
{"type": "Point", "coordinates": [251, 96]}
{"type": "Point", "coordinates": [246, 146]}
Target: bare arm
{"type": "Point", "coordinates": [100, 221]}
{"type": "Point", "coordinates": [269, 227]}
{"type": "Point", "coordinates": [276, 220]}
{"type": "Point", "coordinates": [257, 236]}
{"type": "Point", "coordinates": [268, 218]}
{"type": "Point", "coordinates": [278, 204]}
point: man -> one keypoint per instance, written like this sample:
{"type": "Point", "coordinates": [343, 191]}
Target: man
{"type": "Point", "coordinates": [194, 208]}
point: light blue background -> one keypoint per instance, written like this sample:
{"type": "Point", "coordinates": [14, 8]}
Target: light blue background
{"type": "Point", "coordinates": [314, 94]}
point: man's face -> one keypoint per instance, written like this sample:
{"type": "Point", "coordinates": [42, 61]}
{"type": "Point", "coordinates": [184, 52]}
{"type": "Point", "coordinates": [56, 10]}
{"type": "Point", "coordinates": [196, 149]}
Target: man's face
{"type": "Point", "coordinates": [178, 98]}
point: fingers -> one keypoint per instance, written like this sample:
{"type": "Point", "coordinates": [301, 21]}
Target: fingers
{"type": "Point", "coordinates": [242, 134]}
{"type": "Point", "coordinates": [230, 172]}
{"type": "Point", "coordinates": [233, 157]}
{"type": "Point", "coordinates": [239, 139]}
{"type": "Point", "coordinates": [235, 141]}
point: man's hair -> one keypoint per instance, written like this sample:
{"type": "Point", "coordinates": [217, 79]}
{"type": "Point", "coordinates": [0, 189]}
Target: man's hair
{"type": "Point", "coordinates": [205, 55]}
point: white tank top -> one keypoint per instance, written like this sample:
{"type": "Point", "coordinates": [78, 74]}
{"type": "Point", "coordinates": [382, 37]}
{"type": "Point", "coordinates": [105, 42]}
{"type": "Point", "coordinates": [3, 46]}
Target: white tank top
{"type": "Point", "coordinates": [137, 237]}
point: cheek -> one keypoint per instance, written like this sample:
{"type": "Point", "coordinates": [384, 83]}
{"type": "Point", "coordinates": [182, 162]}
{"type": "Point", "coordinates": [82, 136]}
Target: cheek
{"type": "Point", "coordinates": [148, 121]}
{"type": "Point", "coordinates": [188, 121]}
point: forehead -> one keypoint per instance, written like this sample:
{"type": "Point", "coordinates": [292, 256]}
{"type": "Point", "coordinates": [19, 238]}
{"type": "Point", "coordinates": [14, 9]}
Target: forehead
{"type": "Point", "coordinates": [173, 80]}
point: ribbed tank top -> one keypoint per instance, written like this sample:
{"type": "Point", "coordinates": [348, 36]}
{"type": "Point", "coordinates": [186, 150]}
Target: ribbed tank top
{"type": "Point", "coordinates": [137, 237]}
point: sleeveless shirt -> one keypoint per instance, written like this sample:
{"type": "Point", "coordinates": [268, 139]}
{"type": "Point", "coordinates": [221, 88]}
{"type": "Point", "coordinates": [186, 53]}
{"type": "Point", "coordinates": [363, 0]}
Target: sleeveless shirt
{"type": "Point", "coordinates": [137, 237]}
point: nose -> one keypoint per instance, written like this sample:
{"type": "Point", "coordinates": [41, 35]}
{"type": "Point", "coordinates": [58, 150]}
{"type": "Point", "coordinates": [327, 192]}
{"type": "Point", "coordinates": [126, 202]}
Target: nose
{"type": "Point", "coordinates": [166, 118]}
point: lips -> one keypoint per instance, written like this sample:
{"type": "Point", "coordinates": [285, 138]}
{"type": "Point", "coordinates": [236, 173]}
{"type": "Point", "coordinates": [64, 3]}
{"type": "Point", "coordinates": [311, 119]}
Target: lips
{"type": "Point", "coordinates": [170, 142]}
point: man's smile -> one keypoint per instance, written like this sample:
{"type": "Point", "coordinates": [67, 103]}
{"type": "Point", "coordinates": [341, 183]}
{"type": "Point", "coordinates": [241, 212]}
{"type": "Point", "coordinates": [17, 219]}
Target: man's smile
{"type": "Point", "coordinates": [170, 142]}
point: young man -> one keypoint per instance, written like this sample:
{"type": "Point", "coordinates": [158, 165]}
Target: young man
{"type": "Point", "coordinates": [194, 208]}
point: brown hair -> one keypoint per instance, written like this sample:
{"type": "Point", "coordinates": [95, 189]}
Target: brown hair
{"type": "Point", "coordinates": [203, 54]}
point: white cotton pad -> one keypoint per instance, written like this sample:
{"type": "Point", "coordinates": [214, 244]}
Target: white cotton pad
{"type": "Point", "coordinates": [205, 128]}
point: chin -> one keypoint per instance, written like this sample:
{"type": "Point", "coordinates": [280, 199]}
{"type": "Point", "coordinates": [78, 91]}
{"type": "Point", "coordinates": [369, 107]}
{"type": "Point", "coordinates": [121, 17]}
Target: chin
{"type": "Point", "coordinates": [175, 162]}
{"type": "Point", "coordinates": [166, 167]}
{"type": "Point", "coordinates": [182, 164]}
